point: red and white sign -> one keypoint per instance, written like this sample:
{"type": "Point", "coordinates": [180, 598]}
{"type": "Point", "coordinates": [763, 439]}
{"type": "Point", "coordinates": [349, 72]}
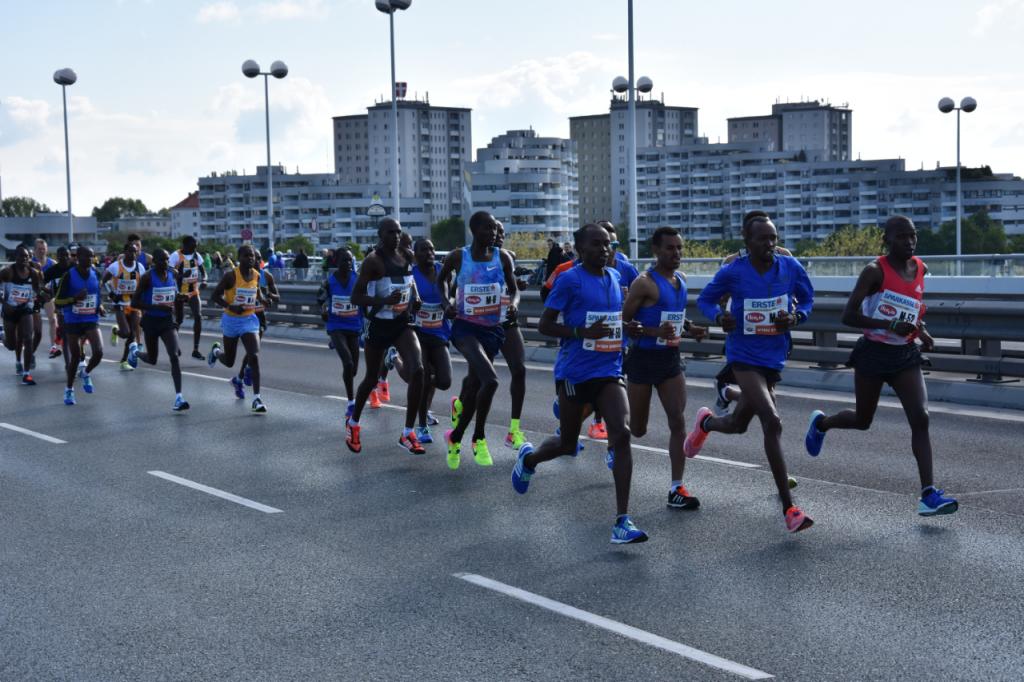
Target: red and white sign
{"type": "Point", "coordinates": [401, 88]}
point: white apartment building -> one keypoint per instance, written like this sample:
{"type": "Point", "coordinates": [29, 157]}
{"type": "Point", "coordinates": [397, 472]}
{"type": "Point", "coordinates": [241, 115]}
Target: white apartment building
{"type": "Point", "coordinates": [316, 205]}
{"type": "Point", "coordinates": [185, 217]}
{"type": "Point", "coordinates": [434, 146]}
{"type": "Point", "coordinates": [53, 227]}
{"type": "Point", "coordinates": [821, 131]}
{"type": "Point", "coordinates": [142, 225]}
{"type": "Point", "coordinates": [529, 183]}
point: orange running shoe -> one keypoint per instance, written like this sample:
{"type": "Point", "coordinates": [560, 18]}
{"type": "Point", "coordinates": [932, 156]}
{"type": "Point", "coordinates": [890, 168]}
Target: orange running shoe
{"type": "Point", "coordinates": [352, 437]}
{"type": "Point", "coordinates": [384, 389]}
{"type": "Point", "coordinates": [374, 400]}
{"type": "Point", "coordinates": [796, 520]}
{"type": "Point", "coordinates": [597, 431]}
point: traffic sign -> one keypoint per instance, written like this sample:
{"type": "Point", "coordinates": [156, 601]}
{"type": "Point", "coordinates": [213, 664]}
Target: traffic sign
{"type": "Point", "coordinates": [246, 234]}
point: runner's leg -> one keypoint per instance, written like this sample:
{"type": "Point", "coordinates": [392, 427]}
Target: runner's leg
{"type": "Point", "coordinates": [672, 394]}
{"type": "Point", "coordinates": [251, 343]}
{"type": "Point", "coordinates": [374, 355]}
{"type": "Point", "coordinates": [408, 347]}
{"type": "Point", "coordinates": [478, 403]}
{"type": "Point", "coordinates": [614, 405]}
{"type": "Point", "coordinates": [758, 397]}
{"type": "Point", "coordinates": [913, 394]}
{"type": "Point", "coordinates": [867, 391]}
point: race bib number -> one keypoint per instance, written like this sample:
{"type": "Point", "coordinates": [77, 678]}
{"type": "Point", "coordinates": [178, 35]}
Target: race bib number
{"type": "Point", "coordinates": [677, 321]}
{"type": "Point", "coordinates": [506, 300]}
{"type": "Point", "coordinates": [163, 295]}
{"type": "Point", "coordinates": [126, 286]}
{"type": "Point", "coordinates": [759, 315]}
{"type": "Point", "coordinates": [190, 275]}
{"type": "Point", "coordinates": [893, 306]}
{"type": "Point", "coordinates": [430, 316]}
{"type": "Point", "coordinates": [481, 299]}
{"type": "Point", "coordinates": [341, 306]}
{"type": "Point", "coordinates": [87, 306]}
{"type": "Point", "coordinates": [609, 344]}
{"type": "Point", "coordinates": [245, 298]}
{"type": "Point", "coordinates": [21, 294]}
{"type": "Point", "coordinates": [402, 304]}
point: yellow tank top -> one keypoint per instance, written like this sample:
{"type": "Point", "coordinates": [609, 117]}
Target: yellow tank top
{"type": "Point", "coordinates": [245, 293]}
{"type": "Point", "coordinates": [126, 281]}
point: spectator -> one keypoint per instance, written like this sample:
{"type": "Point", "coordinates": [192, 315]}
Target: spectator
{"type": "Point", "coordinates": [569, 253]}
{"type": "Point", "coordinates": [301, 265]}
{"type": "Point", "coordinates": [556, 256]}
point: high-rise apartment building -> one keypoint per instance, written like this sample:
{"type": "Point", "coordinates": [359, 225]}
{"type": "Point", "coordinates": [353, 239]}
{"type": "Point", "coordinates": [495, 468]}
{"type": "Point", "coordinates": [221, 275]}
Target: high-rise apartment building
{"type": "Point", "coordinates": [815, 131]}
{"type": "Point", "coordinates": [592, 137]}
{"type": "Point", "coordinates": [529, 183]}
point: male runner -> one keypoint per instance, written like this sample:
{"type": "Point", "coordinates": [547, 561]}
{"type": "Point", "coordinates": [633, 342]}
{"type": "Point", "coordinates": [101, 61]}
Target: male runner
{"type": "Point", "coordinates": [886, 304]}
{"type": "Point", "coordinates": [655, 313]}
{"type": "Point", "coordinates": [513, 349]}
{"type": "Point", "coordinates": [121, 280]}
{"type": "Point", "coordinates": [188, 263]}
{"type": "Point", "coordinates": [344, 319]}
{"type": "Point", "coordinates": [382, 392]}
{"type": "Point", "coordinates": [482, 270]}
{"type": "Point", "coordinates": [238, 293]}
{"type": "Point", "coordinates": [387, 288]}
{"type": "Point", "coordinates": [762, 285]}
{"type": "Point", "coordinates": [588, 369]}
{"type": "Point", "coordinates": [268, 294]}
{"type": "Point", "coordinates": [41, 258]}
{"type": "Point", "coordinates": [155, 296]}
{"type": "Point", "coordinates": [51, 278]}
{"type": "Point", "coordinates": [140, 254]}
{"type": "Point", "coordinates": [22, 284]}
{"type": "Point", "coordinates": [78, 296]}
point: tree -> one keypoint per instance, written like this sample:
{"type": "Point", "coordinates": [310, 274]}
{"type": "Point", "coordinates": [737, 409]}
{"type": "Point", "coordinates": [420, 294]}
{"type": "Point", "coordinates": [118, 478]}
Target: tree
{"type": "Point", "coordinates": [118, 207]}
{"type": "Point", "coordinates": [21, 207]}
{"type": "Point", "coordinates": [849, 241]}
{"type": "Point", "coordinates": [1015, 243]}
{"type": "Point", "coordinates": [979, 234]}
{"type": "Point", "coordinates": [293, 244]}
{"type": "Point", "coordinates": [357, 251]}
{"type": "Point", "coordinates": [448, 234]}
{"type": "Point", "coordinates": [526, 245]}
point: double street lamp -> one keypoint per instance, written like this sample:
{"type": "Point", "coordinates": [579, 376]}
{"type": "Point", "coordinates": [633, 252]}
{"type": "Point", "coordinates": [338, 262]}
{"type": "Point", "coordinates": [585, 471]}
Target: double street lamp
{"type": "Point", "coordinates": [967, 105]}
{"type": "Point", "coordinates": [64, 78]}
{"type": "Point", "coordinates": [389, 7]}
{"type": "Point", "coordinates": [278, 70]}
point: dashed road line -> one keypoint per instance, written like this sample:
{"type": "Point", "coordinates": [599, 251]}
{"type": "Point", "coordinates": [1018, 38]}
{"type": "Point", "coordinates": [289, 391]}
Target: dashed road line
{"type": "Point", "coordinates": [230, 497]}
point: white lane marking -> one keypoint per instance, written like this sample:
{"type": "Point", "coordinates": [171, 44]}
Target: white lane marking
{"type": "Point", "coordinates": [34, 434]}
{"type": "Point", "coordinates": [215, 492]}
{"type": "Point", "coordinates": [622, 629]}
{"type": "Point", "coordinates": [202, 376]}
{"type": "Point", "coordinates": [390, 407]}
{"type": "Point", "coordinates": [663, 451]}
{"type": "Point", "coordinates": [988, 492]}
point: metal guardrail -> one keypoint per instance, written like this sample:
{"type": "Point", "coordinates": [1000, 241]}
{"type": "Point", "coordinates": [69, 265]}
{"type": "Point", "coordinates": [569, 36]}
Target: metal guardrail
{"type": "Point", "coordinates": [979, 326]}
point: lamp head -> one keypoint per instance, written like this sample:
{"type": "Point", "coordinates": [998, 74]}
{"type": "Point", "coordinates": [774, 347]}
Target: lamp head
{"type": "Point", "coordinates": [389, 6]}
{"type": "Point", "coordinates": [65, 77]}
{"type": "Point", "coordinates": [946, 105]}
{"type": "Point", "coordinates": [968, 104]}
{"type": "Point", "coordinates": [250, 68]}
{"type": "Point", "coordinates": [278, 69]}
{"type": "Point", "coordinates": [620, 85]}
{"type": "Point", "coordinates": [644, 84]}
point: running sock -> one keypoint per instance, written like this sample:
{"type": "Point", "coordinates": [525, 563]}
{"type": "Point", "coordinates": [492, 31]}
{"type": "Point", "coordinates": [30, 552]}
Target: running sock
{"type": "Point", "coordinates": [257, 396]}
{"type": "Point", "coordinates": [177, 396]}
{"type": "Point", "coordinates": [352, 422]}
{"type": "Point", "coordinates": [722, 391]}
{"type": "Point", "coordinates": [704, 423]}
{"type": "Point", "coordinates": [620, 517]}
{"type": "Point", "coordinates": [598, 420]}
{"type": "Point", "coordinates": [513, 425]}
{"type": "Point", "coordinates": [675, 484]}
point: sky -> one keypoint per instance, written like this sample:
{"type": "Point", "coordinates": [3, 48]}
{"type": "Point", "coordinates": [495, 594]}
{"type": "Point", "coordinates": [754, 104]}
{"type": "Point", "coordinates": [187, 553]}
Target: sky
{"type": "Point", "coordinates": [161, 100]}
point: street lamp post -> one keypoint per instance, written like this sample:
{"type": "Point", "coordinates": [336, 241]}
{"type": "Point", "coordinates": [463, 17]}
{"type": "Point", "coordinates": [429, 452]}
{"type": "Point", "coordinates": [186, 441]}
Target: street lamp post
{"type": "Point", "coordinates": [946, 105]}
{"type": "Point", "coordinates": [621, 85]}
{"type": "Point", "coordinates": [389, 7]}
{"type": "Point", "coordinates": [64, 78]}
{"type": "Point", "coordinates": [278, 70]}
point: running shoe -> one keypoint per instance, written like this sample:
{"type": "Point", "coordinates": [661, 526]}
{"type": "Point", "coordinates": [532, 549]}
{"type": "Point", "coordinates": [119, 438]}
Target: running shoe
{"type": "Point", "coordinates": [796, 520]}
{"type": "Point", "coordinates": [133, 355]}
{"type": "Point", "coordinates": [625, 532]}
{"type": "Point", "coordinates": [126, 366]}
{"type": "Point", "coordinates": [597, 431]}
{"type": "Point", "coordinates": [69, 396]}
{"type": "Point", "coordinates": [81, 369]}
{"type": "Point", "coordinates": [352, 437]}
{"type": "Point", "coordinates": [247, 376]}
{"type": "Point", "coordinates": [579, 443]}
{"type": "Point", "coordinates": [609, 458]}
{"type": "Point", "coordinates": [814, 438]}
{"type": "Point", "coordinates": [350, 410]}
{"type": "Point", "coordinates": [721, 402]}
{"type": "Point", "coordinates": [239, 387]}
{"type": "Point", "coordinates": [515, 439]}
{"type": "Point", "coordinates": [791, 481]}
{"type": "Point", "coordinates": [432, 420]}
{"type": "Point", "coordinates": [680, 498]}
{"type": "Point", "coordinates": [411, 443]}
{"type": "Point", "coordinates": [384, 391]}
{"type": "Point", "coordinates": [54, 351]}
{"type": "Point", "coordinates": [423, 434]}
{"type": "Point", "coordinates": [695, 441]}
{"type": "Point", "coordinates": [481, 454]}
{"type": "Point", "coordinates": [113, 335]}
{"type": "Point", "coordinates": [180, 404]}
{"type": "Point", "coordinates": [521, 474]}
{"type": "Point", "coordinates": [456, 411]}
{"type": "Point", "coordinates": [389, 359]}
{"type": "Point", "coordinates": [196, 354]}
{"type": "Point", "coordinates": [211, 357]}
{"type": "Point", "coordinates": [935, 503]}
{"type": "Point", "coordinates": [87, 384]}
{"type": "Point", "coordinates": [258, 407]}
{"type": "Point", "coordinates": [454, 450]}
{"type": "Point", "coordinates": [374, 400]}
{"type": "Point", "coordinates": [19, 368]}
{"type": "Point", "coordinates": [27, 380]}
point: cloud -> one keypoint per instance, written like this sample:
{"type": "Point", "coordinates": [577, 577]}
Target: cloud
{"type": "Point", "coordinates": [606, 37]}
{"type": "Point", "coordinates": [291, 9]}
{"type": "Point", "coordinates": [218, 12]}
{"type": "Point", "coordinates": [1000, 12]}
{"type": "Point", "coordinates": [21, 118]}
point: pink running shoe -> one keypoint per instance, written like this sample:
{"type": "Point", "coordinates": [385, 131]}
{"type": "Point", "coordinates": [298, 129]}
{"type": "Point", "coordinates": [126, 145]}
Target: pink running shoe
{"type": "Point", "coordinates": [796, 520]}
{"type": "Point", "coordinates": [695, 441]}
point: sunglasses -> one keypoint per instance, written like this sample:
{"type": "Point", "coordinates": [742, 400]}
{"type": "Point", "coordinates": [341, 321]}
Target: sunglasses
{"type": "Point", "coordinates": [614, 245]}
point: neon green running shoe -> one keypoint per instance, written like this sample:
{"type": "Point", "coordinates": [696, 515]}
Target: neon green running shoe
{"type": "Point", "coordinates": [481, 454]}
{"type": "Point", "coordinates": [515, 439]}
{"type": "Point", "coordinates": [456, 410]}
{"type": "Point", "coordinates": [454, 451]}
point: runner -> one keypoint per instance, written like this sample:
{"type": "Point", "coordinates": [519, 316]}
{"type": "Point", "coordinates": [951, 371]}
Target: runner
{"type": "Point", "coordinates": [140, 254]}
{"type": "Point", "coordinates": [121, 280]}
{"type": "Point", "coordinates": [886, 304]}
{"type": "Point", "coordinates": [655, 313]}
{"type": "Point", "coordinates": [761, 285]}
{"type": "Point", "coordinates": [268, 293]}
{"type": "Point", "coordinates": [155, 296]}
{"type": "Point", "coordinates": [22, 284]}
{"type": "Point", "coordinates": [382, 392]}
{"type": "Point", "coordinates": [344, 320]}
{"type": "Point", "coordinates": [514, 351]}
{"type": "Point", "coordinates": [238, 293]}
{"type": "Point", "coordinates": [41, 258]}
{"type": "Point", "coordinates": [51, 278]}
{"type": "Point", "coordinates": [387, 288]}
{"type": "Point", "coordinates": [188, 263]}
{"type": "Point", "coordinates": [78, 295]}
{"type": "Point", "coordinates": [481, 270]}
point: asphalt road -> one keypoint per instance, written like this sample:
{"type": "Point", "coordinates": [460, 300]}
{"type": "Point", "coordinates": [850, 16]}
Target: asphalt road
{"type": "Point", "coordinates": [109, 571]}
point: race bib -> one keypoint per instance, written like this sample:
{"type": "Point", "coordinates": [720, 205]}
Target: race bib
{"type": "Point", "coordinates": [677, 321]}
{"type": "Point", "coordinates": [87, 306]}
{"type": "Point", "coordinates": [341, 306]}
{"type": "Point", "coordinates": [126, 286]}
{"type": "Point", "coordinates": [403, 304]}
{"type": "Point", "coordinates": [893, 306]}
{"type": "Point", "coordinates": [481, 299]}
{"type": "Point", "coordinates": [190, 275]}
{"type": "Point", "coordinates": [21, 294]}
{"type": "Point", "coordinates": [163, 295]}
{"type": "Point", "coordinates": [506, 300]}
{"type": "Point", "coordinates": [759, 315]}
{"type": "Point", "coordinates": [245, 297]}
{"type": "Point", "coordinates": [609, 344]}
{"type": "Point", "coordinates": [430, 316]}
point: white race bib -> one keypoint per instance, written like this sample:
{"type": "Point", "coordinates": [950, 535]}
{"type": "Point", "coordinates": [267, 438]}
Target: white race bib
{"type": "Point", "coordinates": [893, 306]}
{"type": "Point", "coordinates": [677, 321]}
{"type": "Point", "coordinates": [341, 306]}
{"type": "Point", "coordinates": [87, 306]}
{"type": "Point", "coordinates": [403, 304]}
{"type": "Point", "coordinates": [190, 275]}
{"type": "Point", "coordinates": [126, 286]}
{"type": "Point", "coordinates": [245, 297]}
{"type": "Point", "coordinates": [481, 299]}
{"type": "Point", "coordinates": [506, 300]}
{"type": "Point", "coordinates": [759, 315]}
{"type": "Point", "coordinates": [163, 295]}
{"type": "Point", "coordinates": [609, 344]}
{"type": "Point", "coordinates": [430, 316]}
{"type": "Point", "coordinates": [21, 294]}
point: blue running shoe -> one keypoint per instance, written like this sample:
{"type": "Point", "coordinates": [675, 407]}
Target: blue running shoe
{"type": "Point", "coordinates": [180, 404]}
{"type": "Point", "coordinates": [247, 376]}
{"type": "Point", "coordinates": [935, 503]}
{"type": "Point", "coordinates": [521, 473]}
{"type": "Point", "coordinates": [69, 396]}
{"type": "Point", "coordinates": [609, 458]}
{"type": "Point", "coordinates": [432, 420]}
{"type": "Point", "coordinates": [389, 359]}
{"type": "Point", "coordinates": [423, 435]}
{"type": "Point", "coordinates": [239, 388]}
{"type": "Point", "coordinates": [81, 369]}
{"type": "Point", "coordinates": [211, 357]}
{"type": "Point", "coordinates": [350, 410]}
{"type": "Point", "coordinates": [87, 384]}
{"type": "Point", "coordinates": [814, 437]}
{"type": "Point", "coordinates": [133, 355]}
{"type": "Point", "coordinates": [625, 532]}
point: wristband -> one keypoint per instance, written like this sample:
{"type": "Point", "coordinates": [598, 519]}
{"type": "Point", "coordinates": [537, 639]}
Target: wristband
{"type": "Point", "coordinates": [892, 324]}
{"type": "Point", "coordinates": [801, 317]}
{"type": "Point", "coordinates": [575, 332]}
